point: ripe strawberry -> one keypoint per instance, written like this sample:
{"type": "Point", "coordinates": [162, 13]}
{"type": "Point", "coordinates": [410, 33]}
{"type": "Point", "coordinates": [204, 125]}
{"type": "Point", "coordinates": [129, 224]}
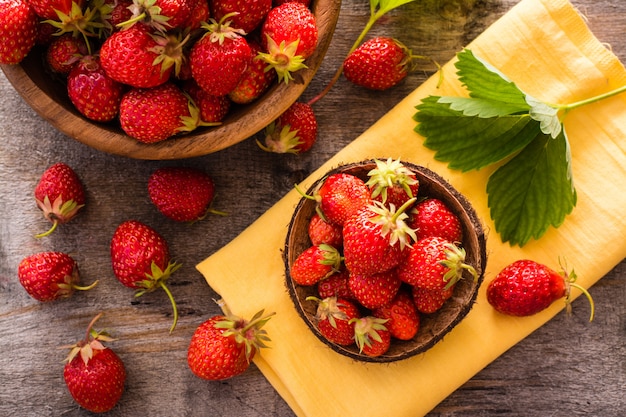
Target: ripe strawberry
{"type": "Point", "coordinates": [213, 109]}
{"type": "Point", "coordinates": [154, 114]}
{"type": "Point", "coordinates": [434, 263]}
{"type": "Point", "coordinates": [120, 12]}
{"type": "Point", "coordinates": [47, 9]}
{"type": "Point", "coordinates": [376, 290]}
{"type": "Point", "coordinates": [182, 194]}
{"type": "Point", "coordinates": [403, 320]}
{"type": "Point", "coordinates": [18, 30]}
{"type": "Point", "coordinates": [94, 374]}
{"type": "Point", "coordinates": [314, 264]}
{"type": "Point", "coordinates": [141, 260]}
{"type": "Point", "coordinates": [295, 131]}
{"type": "Point", "coordinates": [200, 12]}
{"type": "Point", "coordinates": [64, 52]}
{"type": "Point", "coordinates": [371, 335]}
{"type": "Point", "coordinates": [59, 194]}
{"type": "Point", "coordinates": [279, 2]}
{"type": "Point", "coordinates": [526, 287]}
{"type": "Point", "coordinates": [48, 276]}
{"type": "Point", "coordinates": [336, 285]}
{"type": "Point", "coordinates": [392, 182]}
{"type": "Point", "coordinates": [320, 231]}
{"type": "Point", "coordinates": [219, 58]}
{"type": "Point", "coordinates": [334, 315]}
{"type": "Point", "coordinates": [223, 346]}
{"type": "Point", "coordinates": [250, 13]}
{"type": "Point", "coordinates": [341, 196]}
{"type": "Point", "coordinates": [429, 301]}
{"type": "Point", "coordinates": [255, 80]}
{"type": "Point", "coordinates": [432, 217]}
{"type": "Point", "coordinates": [374, 239]}
{"type": "Point", "coordinates": [289, 35]}
{"type": "Point", "coordinates": [94, 94]}
{"type": "Point", "coordinates": [378, 63]}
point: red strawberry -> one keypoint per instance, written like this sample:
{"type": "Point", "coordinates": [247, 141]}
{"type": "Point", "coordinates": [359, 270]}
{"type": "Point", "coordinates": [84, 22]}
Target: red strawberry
{"type": "Point", "coordinates": [432, 217]}
{"type": "Point", "coordinates": [429, 301]}
{"type": "Point", "coordinates": [249, 13]}
{"type": "Point", "coordinates": [289, 35]}
{"type": "Point", "coordinates": [94, 94]}
{"type": "Point", "coordinates": [141, 260]}
{"type": "Point", "coordinates": [526, 287]}
{"type": "Point", "coordinates": [18, 30]}
{"type": "Point", "coordinates": [320, 231]}
{"type": "Point", "coordinates": [59, 194]}
{"type": "Point", "coordinates": [378, 64]}
{"type": "Point", "coordinates": [219, 58]}
{"type": "Point", "coordinates": [334, 317]}
{"type": "Point", "coordinates": [295, 131]}
{"type": "Point", "coordinates": [314, 264]}
{"type": "Point", "coordinates": [200, 12]}
{"type": "Point", "coordinates": [94, 374]}
{"type": "Point", "coordinates": [335, 285]}
{"type": "Point", "coordinates": [64, 52]}
{"type": "Point", "coordinates": [255, 80]}
{"type": "Point", "coordinates": [162, 15]}
{"type": "Point", "coordinates": [376, 290]}
{"type": "Point", "coordinates": [279, 2]}
{"type": "Point", "coordinates": [48, 276]}
{"type": "Point", "coordinates": [341, 196]}
{"type": "Point", "coordinates": [392, 183]}
{"type": "Point", "coordinates": [434, 263]}
{"type": "Point", "coordinates": [374, 239]}
{"type": "Point", "coordinates": [403, 320]}
{"type": "Point", "coordinates": [154, 114]}
{"type": "Point", "coordinates": [120, 12]}
{"type": "Point", "coordinates": [182, 194]}
{"type": "Point", "coordinates": [371, 335]}
{"type": "Point", "coordinates": [213, 109]}
{"type": "Point", "coordinates": [48, 8]}
{"type": "Point", "coordinates": [223, 346]}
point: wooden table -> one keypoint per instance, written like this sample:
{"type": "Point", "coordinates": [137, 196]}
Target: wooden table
{"type": "Point", "coordinates": [568, 367]}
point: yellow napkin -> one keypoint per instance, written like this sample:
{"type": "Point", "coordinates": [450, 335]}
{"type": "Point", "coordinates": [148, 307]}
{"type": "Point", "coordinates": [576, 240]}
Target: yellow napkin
{"type": "Point", "coordinates": [546, 48]}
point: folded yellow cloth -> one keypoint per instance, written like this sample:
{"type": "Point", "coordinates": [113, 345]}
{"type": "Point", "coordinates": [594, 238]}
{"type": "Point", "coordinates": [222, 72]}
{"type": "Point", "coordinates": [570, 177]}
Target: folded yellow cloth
{"type": "Point", "coordinates": [546, 48]}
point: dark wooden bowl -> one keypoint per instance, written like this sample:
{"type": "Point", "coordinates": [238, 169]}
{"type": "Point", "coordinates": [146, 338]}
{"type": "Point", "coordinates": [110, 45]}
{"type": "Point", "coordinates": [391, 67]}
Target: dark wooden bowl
{"type": "Point", "coordinates": [432, 327]}
{"type": "Point", "coordinates": [49, 98]}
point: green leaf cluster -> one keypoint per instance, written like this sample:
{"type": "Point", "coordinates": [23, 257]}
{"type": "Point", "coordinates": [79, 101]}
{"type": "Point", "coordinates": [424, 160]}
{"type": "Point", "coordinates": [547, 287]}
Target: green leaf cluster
{"type": "Point", "coordinates": [531, 188]}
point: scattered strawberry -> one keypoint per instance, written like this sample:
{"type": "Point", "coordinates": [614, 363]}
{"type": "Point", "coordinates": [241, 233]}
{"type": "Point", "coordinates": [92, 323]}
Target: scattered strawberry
{"type": "Point", "coordinates": [255, 80]}
{"type": "Point", "coordinates": [289, 35]}
{"type": "Point", "coordinates": [64, 52]}
{"type": "Point", "coordinates": [336, 285]}
{"type": "Point", "coordinates": [334, 317]}
{"type": "Point", "coordinates": [94, 374]}
{"type": "Point", "coordinates": [295, 131]}
{"type": "Point", "coordinates": [320, 231]}
{"type": "Point", "coordinates": [526, 287]}
{"type": "Point", "coordinates": [342, 195]}
{"type": "Point", "coordinates": [213, 109]}
{"type": "Point", "coordinates": [432, 217]}
{"type": "Point", "coordinates": [392, 183]}
{"type": "Point", "coordinates": [18, 30]}
{"type": "Point", "coordinates": [403, 320]}
{"type": "Point", "coordinates": [48, 276]}
{"type": "Point", "coordinates": [429, 301]}
{"type": "Point", "coordinates": [378, 63]}
{"type": "Point", "coordinates": [246, 15]}
{"type": "Point", "coordinates": [371, 335]}
{"type": "Point", "coordinates": [59, 194]}
{"type": "Point", "coordinates": [375, 290]}
{"type": "Point", "coordinates": [223, 346]}
{"type": "Point", "coordinates": [141, 260]}
{"type": "Point", "coordinates": [314, 264]}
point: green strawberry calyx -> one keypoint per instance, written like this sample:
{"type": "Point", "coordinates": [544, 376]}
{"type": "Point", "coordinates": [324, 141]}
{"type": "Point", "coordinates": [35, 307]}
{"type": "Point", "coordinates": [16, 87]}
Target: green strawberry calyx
{"type": "Point", "coordinates": [57, 212]}
{"type": "Point", "coordinates": [70, 284]}
{"type": "Point", "coordinates": [366, 329]}
{"type": "Point", "coordinates": [328, 309]}
{"type": "Point", "coordinates": [148, 12]}
{"type": "Point", "coordinates": [389, 173]}
{"type": "Point", "coordinates": [222, 30]}
{"type": "Point", "coordinates": [284, 141]}
{"type": "Point", "coordinates": [393, 222]}
{"type": "Point", "coordinates": [90, 344]}
{"type": "Point", "coordinates": [455, 262]}
{"type": "Point", "coordinates": [156, 279]}
{"type": "Point", "coordinates": [282, 58]}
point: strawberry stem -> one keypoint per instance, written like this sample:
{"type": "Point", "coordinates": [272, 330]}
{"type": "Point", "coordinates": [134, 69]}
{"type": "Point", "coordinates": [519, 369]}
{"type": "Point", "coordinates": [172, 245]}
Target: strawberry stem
{"type": "Point", "coordinates": [85, 288]}
{"type": "Point", "coordinates": [586, 293]}
{"type": "Point", "coordinates": [174, 308]}
{"type": "Point", "coordinates": [55, 223]}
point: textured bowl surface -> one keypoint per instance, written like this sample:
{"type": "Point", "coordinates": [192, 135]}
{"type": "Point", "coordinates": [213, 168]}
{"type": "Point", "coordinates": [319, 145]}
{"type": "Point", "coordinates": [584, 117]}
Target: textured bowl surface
{"type": "Point", "coordinates": [432, 327]}
{"type": "Point", "coordinates": [49, 98]}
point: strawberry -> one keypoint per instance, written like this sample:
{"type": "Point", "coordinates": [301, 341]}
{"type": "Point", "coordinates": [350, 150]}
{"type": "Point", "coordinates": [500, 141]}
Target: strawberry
{"type": "Point", "coordinates": [526, 287]}
{"type": "Point", "coordinates": [342, 195]}
{"type": "Point", "coordinates": [378, 63]}
{"type": "Point", "coordinates": [120, 12]}
{"type": "Point", "coordinates": [392, 183]}
{"type": "Point", "coordinates": [213, 109]}
{"type": "Point", "coordinates": [255, 80]}
{"type": "Point", "coordinates": [336, 285]}
{"type": "Point", "coordinates": [289, 35]}
{"type": "Point", "coordinates": [182, 194]}
{"type": "Point", "coordinates": [245, 14]}
{"type": "Point", "coordinates": [219, 58]}
{"type": "Point", "coordinates": [432, 217]}
{"type": "Point", "coordinates": [94, 94]}
{"type": "Point", "coordinates": [403, 320]}
{"type": "Point", "coordinates": [429, 301]}
{"type": "Point", "coordinates": [376, 290]}
{"type": "Point", "coordinates": [154, 114]}
{"type": "Point", "coordinates": [334, 315]}
{"type": "Point", "coordinates": [141, 260]}
{"type": "Point", "coordinates": [320, 231]}
{"type": "Point", "coordinates": [161, 15]}
{"type": "Point", "coordinates": [18, 30]}
{"type": "Point", "coordinates": [200, 12]}
{"type": "Point", "coordinates": [279, 2]}
{"type": "Point", "coordinates": [48, 276]}
{"type": "Point", "coordinates": [371, 335]}
{"type": "Point", "coordinates": [64, 52]}
{"type": "Point", "coordinates": [224, 345]}
{"type": "Point", "coordinates": [434, 263]}
{"type": "Point", "coordinates": [314, 264]}
{"type": "Point", "coordinates": [59, 194]}
{"type": "Point", "coordinates": [374, 239]}
{"type": "Point", "coordinates": [47, 9]}
{"type": "Point", "coordinates": [94, 374]}
{"type": "Point", "coordinates": [295, 130]}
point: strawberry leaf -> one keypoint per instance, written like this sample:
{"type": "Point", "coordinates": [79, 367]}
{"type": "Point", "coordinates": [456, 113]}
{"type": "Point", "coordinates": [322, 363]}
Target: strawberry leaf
{"type": "Point", "coordinates": [381, 7]}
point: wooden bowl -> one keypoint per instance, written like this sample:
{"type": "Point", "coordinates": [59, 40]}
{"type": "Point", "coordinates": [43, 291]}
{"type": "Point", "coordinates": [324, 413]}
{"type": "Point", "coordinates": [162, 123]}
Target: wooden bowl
{"type": "Point", "coordinates": [49, 98]}
{"type": "Point", "coordinates": [432, 327]}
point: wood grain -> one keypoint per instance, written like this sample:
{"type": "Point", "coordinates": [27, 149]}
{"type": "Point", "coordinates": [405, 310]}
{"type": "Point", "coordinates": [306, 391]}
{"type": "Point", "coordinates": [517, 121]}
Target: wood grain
{"type": "Point", "coordinates": [568, 367]}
